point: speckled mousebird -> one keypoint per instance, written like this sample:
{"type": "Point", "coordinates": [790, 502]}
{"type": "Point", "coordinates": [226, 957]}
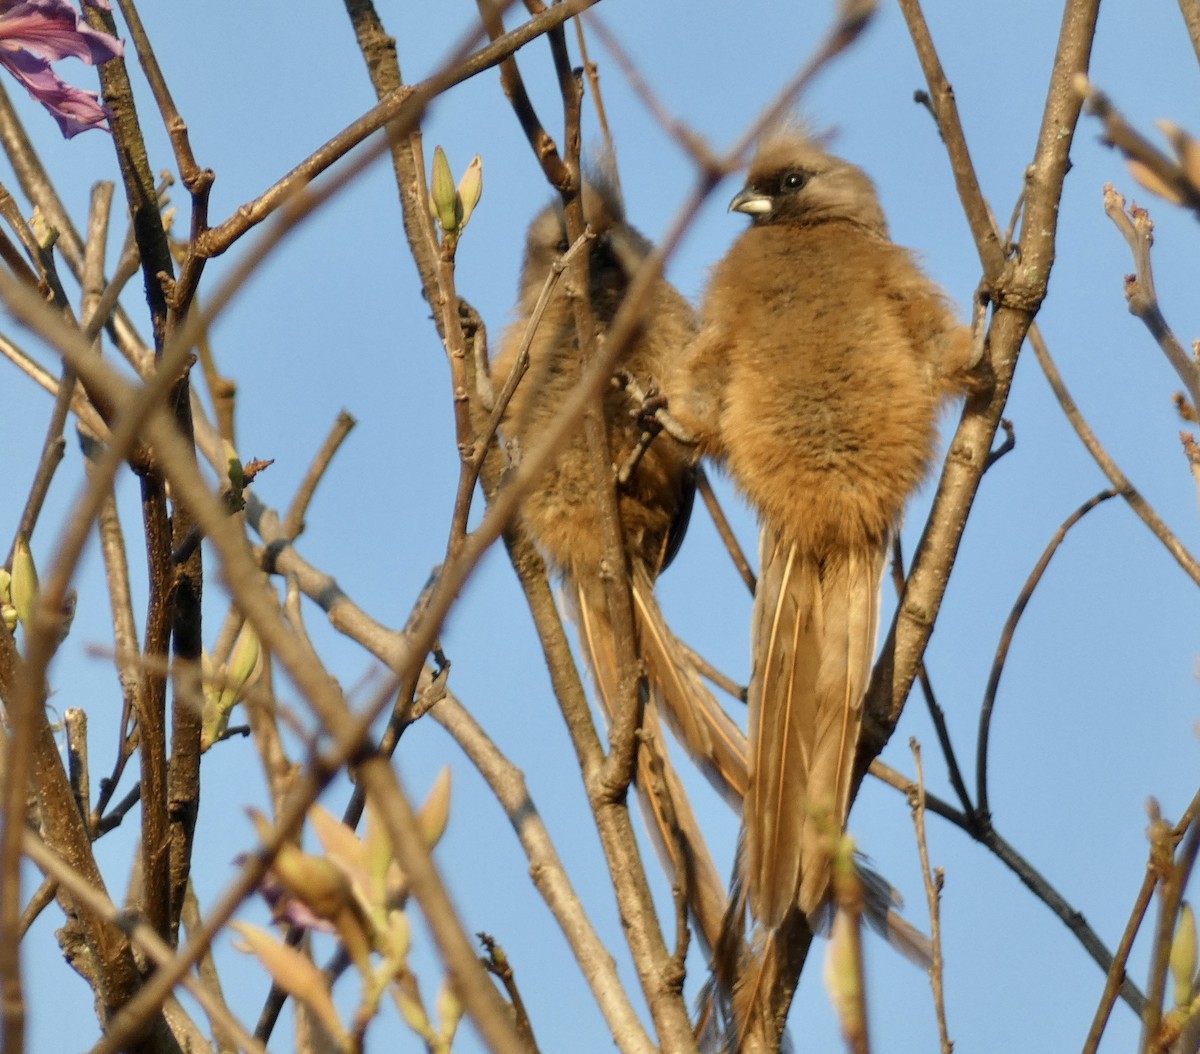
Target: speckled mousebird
{"type": "Point", "coordinates": [824, 358]}
{"type": "Point", "coordinates": [561, 513]}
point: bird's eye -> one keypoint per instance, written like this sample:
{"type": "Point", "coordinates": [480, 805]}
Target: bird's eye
{"type": "Point", "coordinates": [793, 180]}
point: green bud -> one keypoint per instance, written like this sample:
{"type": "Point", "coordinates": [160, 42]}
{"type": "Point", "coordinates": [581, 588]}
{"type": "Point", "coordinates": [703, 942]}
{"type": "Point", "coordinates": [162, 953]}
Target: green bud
{"type": "Point", "coordinates": [44, 232]}
{"type": "Point", "coordinates": [312, 880]}
{"type": "Point", "coordinates": [433, 816]}
{"type": "Point", "coordinates": [449, 1012]}
{"type": "Point", "coordinates": [242, 665]}
{"type": "Point", "coordinates": [399, 936]}
{"type": "Point", "coordinates": [414, 1014]}
{"type": "Point", "coordinates": [24, 581]}
{"type": "Point", "coordinates": [1183, 955]}
{"type": "Point", "coordinates": [843, 971]}
{"type": "Point", "coordinates": [446, 206]}
{"type": "Point", "coordinates": [5, 582]}
{"type": "Point", "coordinates": [470, 189]}
{"type": "Point", "coordinates": [295, 973]}
{"type": "Point", "coordinates": [237, 478]}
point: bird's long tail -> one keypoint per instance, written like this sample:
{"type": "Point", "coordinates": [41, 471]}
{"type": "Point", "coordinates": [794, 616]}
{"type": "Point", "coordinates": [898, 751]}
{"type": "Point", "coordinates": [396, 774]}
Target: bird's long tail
{"type": "Point", "coordinates": [815, 626]}
{"type": "Point", "coordinates": [673, 827]}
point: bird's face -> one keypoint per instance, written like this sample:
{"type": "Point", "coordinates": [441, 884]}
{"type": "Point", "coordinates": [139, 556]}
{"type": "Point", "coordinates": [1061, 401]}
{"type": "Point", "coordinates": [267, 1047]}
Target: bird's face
{"type": "Point", "coordinates": [615, 254]}
{"type": "Point", "coordinates": [793, 182]}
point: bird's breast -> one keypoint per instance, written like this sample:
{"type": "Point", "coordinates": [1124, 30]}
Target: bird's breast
{"type": "Point", "coordinates": [829, 418]}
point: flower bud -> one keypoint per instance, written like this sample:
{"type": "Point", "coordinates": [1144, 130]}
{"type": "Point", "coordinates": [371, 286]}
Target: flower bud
{"type": "Point", "coordinates": [435, 813]}
{"type": "Point", "coordinates": [295, 973]}
{"type": "Point", "coordinates": [24, 581]}
{"type": "Point", "coordinates": [242, 665]}
{"type": "Point", "coordinates": [237, 478]}
{"type": "Point", "coordinates": [843, 976]}
{"type": "Point", "coordinates": [44, 232]}
{"type": "Point", "coordinates": [1186, 149]}
{"type": "Point", "coordinates": [449, 1012]}
{"type": "Point", "coordinates": [414, 1015]}
{"type": "Point", "coordinates": [443, 194]}
{"type": "Point", "coordinates": [470, 189]}
{"type": "Point", "coordinates": [1183, 955]}
{"type": "Point", "coordinates": [1151, 180]}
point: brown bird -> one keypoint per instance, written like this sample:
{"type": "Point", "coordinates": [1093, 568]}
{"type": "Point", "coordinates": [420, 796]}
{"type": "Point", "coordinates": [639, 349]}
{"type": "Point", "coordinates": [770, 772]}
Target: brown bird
{"type": "Point", "coordinates": [824, 358]}
{"type": "Point", "coordinates": [562, 515]}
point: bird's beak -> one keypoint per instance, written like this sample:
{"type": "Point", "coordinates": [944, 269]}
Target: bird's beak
{"type": "Point", "coordinates": [751, 203]}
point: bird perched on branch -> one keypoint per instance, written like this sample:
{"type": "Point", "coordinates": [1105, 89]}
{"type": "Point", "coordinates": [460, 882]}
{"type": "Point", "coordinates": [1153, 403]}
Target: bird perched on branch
{"type": "Point", "coordinates": [823, 360]}
{"type": "Point", "coordinates": [562, 512]}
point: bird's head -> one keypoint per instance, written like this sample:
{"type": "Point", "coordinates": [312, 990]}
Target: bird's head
{"type": "Point", "coordinates": [793, 182]}
{"type": "Point", "coordinates": [615, 254]}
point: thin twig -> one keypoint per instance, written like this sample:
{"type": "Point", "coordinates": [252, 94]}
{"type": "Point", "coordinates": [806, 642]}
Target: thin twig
{"type": "Point", "coordinates": [401, 111]}
{"type": "Point", "coordinates": [711, 673]}
{"type": "Point", "coordinates": [1116, 971]}
{"type": "Point", "coordinates": [732, 545]}
{"type": "Point", "coordinates": [1137, 229]}
{"type": "Point", "coordinates": [936, 714]}
{"type": "Point", "coordinates": [933, 895]}
{"type": "Point", "coordinates": [984, 832]}
{"type": "Point", "coordinates": [150, 943]}
{"type": "Point", "coordinates": [549, 876]}
{"type": "Point", "coordinates": [1108, 466]}
{"type": "Point", "coordinates": [1171, 887]}
{"type": "Point", "coordinates": [1006, 637]}
{"type": "Point", "coordinates": [293, 520]}
{"type": "Point", "coordinates": [1005, 448]}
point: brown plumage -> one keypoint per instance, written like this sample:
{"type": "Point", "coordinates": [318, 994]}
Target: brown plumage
{"type": "Point", "coordinates": [562, 515]}
{"type": "Point", "coordinates": [824, 357]}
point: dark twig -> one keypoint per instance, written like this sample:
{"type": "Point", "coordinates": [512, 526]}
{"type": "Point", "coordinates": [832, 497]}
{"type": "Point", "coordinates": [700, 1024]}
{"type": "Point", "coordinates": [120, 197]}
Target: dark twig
{"type": "Point", "coordinates": [540, 141]}
{"type": "Point", "coordinates": [707, 670]}
{"type": "Point", "coordinates": [499, 967]}
{"type": "Point", "coordinates": [980, 829]}
{"type": "Point", "coordinates": [897, 781]}
{"type": "Point", "coordinates": [936, 714]}
{"type": "Point", "coordinates": [293, 520]}
{"type": "Point", "coordinates": [1005, 448]}
{"type": "Point", "coordinates": [198, 181]}
{"type": "Point", "coordinates": [1006, 637]}
{"type": "Point", "coordinates": [732, 545]}
{"type": "Point", "coordinates": [592, 72]}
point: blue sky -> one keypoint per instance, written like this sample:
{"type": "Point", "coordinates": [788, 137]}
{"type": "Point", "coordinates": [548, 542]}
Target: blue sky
{"type": "Point", "coordinates": [1097, 708]}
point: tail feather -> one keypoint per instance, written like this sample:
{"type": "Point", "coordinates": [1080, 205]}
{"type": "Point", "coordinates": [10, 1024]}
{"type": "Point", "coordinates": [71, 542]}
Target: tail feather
{"type": "Point", "coordinates": [711, 737]}
{"type": "Point", "coordinates": [815, 625]}
{"type": "Point", "coordinates": [673, 827]}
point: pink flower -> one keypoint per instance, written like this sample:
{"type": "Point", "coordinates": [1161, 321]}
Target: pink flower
{"type": "Point", "coordinates": [34, 33]}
